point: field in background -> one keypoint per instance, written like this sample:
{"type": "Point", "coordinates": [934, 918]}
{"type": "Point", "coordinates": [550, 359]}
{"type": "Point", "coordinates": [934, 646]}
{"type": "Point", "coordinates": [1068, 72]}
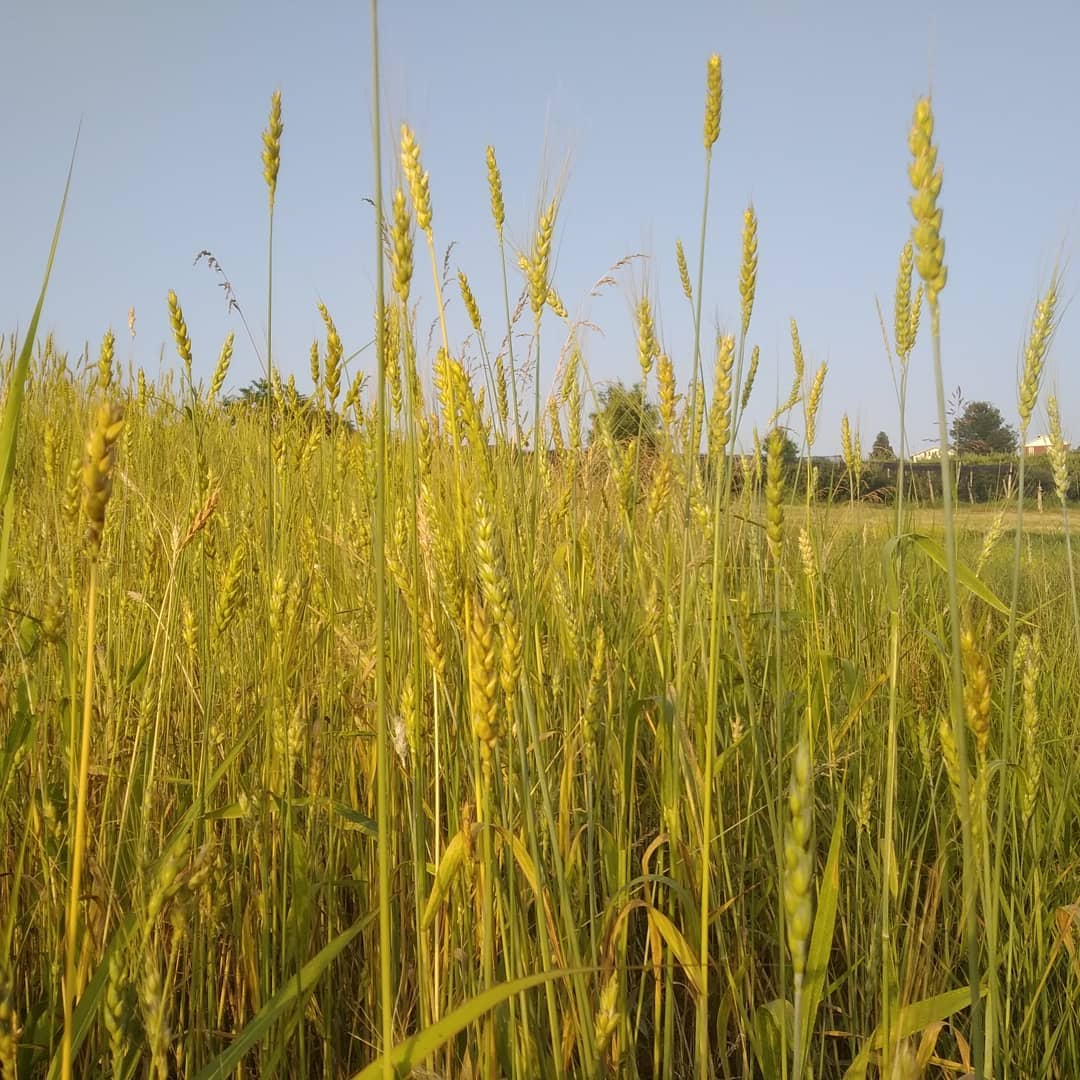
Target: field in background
{"type": "Point", "coordinates": [337, 727]}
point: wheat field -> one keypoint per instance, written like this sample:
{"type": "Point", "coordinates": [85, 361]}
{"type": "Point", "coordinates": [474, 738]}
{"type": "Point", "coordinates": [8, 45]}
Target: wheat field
{"type": "Point", "coordinates": [426, 724]}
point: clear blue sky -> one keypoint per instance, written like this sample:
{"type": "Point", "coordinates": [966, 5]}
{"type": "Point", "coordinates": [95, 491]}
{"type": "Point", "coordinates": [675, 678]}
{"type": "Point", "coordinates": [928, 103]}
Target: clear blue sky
{"type": "Point", "coordinates": [817, 104]}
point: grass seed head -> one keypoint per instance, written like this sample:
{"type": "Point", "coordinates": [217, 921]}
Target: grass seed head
{"type": "Point", "coordinates": [105, 360]}
{"type": "Point", "coordinates": [469, 300]}
{"type": "Point", "coordinates": [1042, 330]}
{"type": "Point", "coordinates": [925, 177]}
{"type": "Point", "coordinates": [903, 329]}
{"type": "Point", "coordinates": [976, 691]}
{"type": "Point", "coordinates": [401, 246]}
{"type": "Point", "coordinates": [751, 373]}
{"type": "Point", "coordinates": [748, 271]}
{"type": "Point", "coordinates": [498, 208]}
{"type": "Point", "coordinates": [1059, 458]}
{"type": "Point", "coordinates": [271, 153]}
{"type": "Point", "coordinates": [714, 92]}
{"type": "Point", "coordinates": [417, 178]}
{"type": "Point", "coordinates": [648, 347]}
{"type": "Point", "coordinates": [221, 369]}
{"type": "Point", "coordinates": [335, 353]}
{"type": "Point", "coordinates": [180, 332]}
{"type": "Point", "coordinates": [720, 412]}
{"type": "Point", "coordinates": [665, 377]}
{"type": "Point", "coordinates": [774, 492]}
{"type": "Point", "coordinates": [684, 271]}
{"type": "Point", "coordinates": [813, 403]}
{"type": "Point", "coordinates": [538, 263]}
{"type": "Point", "coordinates": [798, 860]}
{"type": "Point", "coordinates": [97, 471]}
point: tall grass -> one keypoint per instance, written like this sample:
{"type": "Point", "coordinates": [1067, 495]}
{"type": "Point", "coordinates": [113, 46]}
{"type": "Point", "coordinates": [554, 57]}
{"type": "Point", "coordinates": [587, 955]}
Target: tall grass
{"type": "Point", "coordinates": [364, 733]}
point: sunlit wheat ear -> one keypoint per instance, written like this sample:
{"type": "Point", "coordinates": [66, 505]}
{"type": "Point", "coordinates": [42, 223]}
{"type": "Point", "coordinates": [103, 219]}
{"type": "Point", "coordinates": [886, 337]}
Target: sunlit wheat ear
{"type": "Point", "coordinates": [665, 378]}
{"type": "Point", "coordinates": [993, 535]}
{"type": "Point", "coordinates": [118, 1011]}
{"type": "Point", "coordinates": [1042, 330]}
{"type": "Point", "coordinates": [648, 347]}
{"type": "Point", "coordinates": [202, 518]}
{"type": "Point", "coordinates": [498, 208]}
{"type": "Point", "coordinates": [1059, 458]}
{"type": "Point", "coordinates": [976, 691]}
{"type": "Point", "coordinates": [155, 1016]}
{"type": "Point", "coordinates": [554, 301]}
{"type": "Point", "coordinates": [799, 364]}
{"type": "Point", "coordinates": [813, 403]}
{"type": "Point", "coordinates": [105, 360]}
{"type": "Point", "coordinates": [846, 449]}
{"type": "Point", "coordinates": [539, 260]}
{"type": "Point", "coordinates": [751, 374]}
{"type": "Point", "coordinates": [472, 309]}
{"type": "Point", "coordinates": [502, 393]}
{"type": "Point", "coordinates": [401, 246]}
{"type": "Point", "coordinates": [180, 332]}
{"type": "Point", "coordinates": [607, 1016]}
{"type": "Point", "coordinates": [950, 755]}
{"type": "Point", "coordinates": [335, 353]}
{"type": "Point", "coordinates": [391, 318]}
{"type": "Point", "coordinates": [314, 364]}
{"type": "Point", "coordinates": [774, 492]}
{"type": "Point", "coordinates": [806, 555]}
{"type": "Point", "coordinates": [97, 472]}
{"type": "Point", "coordinates": [903, 324]}
{"type": "Point", "coordinates": [416, 178]}
{"type": "Point", "coordinates": [925, 177]}
{"type": "Point", "coordinates": [720, 411]}
{"type": "Point", "coordinates": [798, 860]}
{"type": "Point", "coordinates": [221, 369]}
{"type": "Point", "coordinates": [489, 562]}
{"type": "Point", "coordinates": [271, 154]}
{"type": "Point", "coordinates": [230, 591]}
{"type": "Point", "coordinates": [1028, 660]}
{"type": "Point", "coordinates": [684, 270]}
{"type": "Point", "coordinates": [748, 270]}
{"type": "Point", "coordinates": [714, 91]}
{"type": "Point", "coordinates": [660, 487]}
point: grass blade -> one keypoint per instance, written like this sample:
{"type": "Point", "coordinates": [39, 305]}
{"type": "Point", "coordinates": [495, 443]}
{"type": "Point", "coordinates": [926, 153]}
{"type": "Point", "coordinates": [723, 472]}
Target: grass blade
{"type": "Point", "coordinates": [424, 1043]}
{"type": "Point", "coordinates": [258, 1026]}
{"type": "Point", "coordinates": [9, 426]}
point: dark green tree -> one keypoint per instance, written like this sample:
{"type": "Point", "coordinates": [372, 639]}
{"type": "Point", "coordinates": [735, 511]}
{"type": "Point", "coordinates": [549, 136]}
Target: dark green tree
{"type": "Point", "coordinates": [981, 429]}
{"type": "Point", "coordinates": [626, 413]}
{"type": "Point", "coordinates": [882, 449]}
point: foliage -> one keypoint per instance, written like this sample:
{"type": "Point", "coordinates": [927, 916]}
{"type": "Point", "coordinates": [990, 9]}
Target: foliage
{"type": "Point", "coordinates": [626, 414]}
{"type": "Point", "coordinates": [979, 428]}
{"type": "Point", "coordinates": [882, 449]}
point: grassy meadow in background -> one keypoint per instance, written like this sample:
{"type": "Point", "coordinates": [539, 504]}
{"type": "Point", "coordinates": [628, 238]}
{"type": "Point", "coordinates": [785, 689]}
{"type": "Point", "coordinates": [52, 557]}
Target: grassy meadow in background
{"type": "Point", "coordinates": [344, 734]}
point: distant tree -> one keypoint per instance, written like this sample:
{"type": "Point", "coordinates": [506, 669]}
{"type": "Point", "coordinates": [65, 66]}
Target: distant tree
{"type": "Point", "coordinates": [981, 429]}
{"type": "Point", "coordinates": [256, 396]}
{"type": "Point", "coordinates": [626, 413]}
{"type": "Point", "coordinates": [252, 397]}
{"type": "Point", "coordinates": [882, 449]}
